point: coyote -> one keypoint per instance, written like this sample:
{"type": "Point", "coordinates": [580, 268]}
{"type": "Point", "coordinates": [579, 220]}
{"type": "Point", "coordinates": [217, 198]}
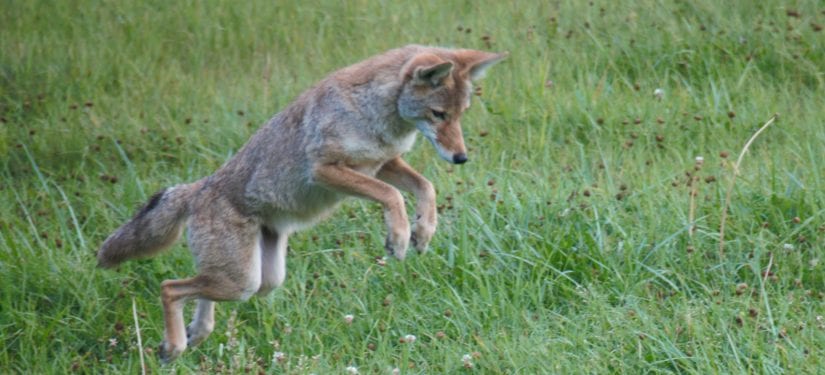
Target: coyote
{"type": "Point", "coordinates": [343, 137]}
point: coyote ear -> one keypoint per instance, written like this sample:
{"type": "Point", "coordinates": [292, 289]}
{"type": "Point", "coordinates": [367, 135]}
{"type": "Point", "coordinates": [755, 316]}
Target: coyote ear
{"type": "Point", "coordinates": [478, 62]}
{"type": "Point", "coordinates": [433, 74]}
{"type": "Point", "coordinates": [427, 69]}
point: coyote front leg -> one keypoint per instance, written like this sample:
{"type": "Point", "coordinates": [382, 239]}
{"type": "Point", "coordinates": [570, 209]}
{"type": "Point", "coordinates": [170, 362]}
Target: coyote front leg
{"type": "Point", "coordinates": [398, 173]}
{"type": "Point", "coordinates": [346, 180]}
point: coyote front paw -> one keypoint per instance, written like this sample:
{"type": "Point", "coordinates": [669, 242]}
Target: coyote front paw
{"type": "Point", "coordinates": [422, 233]}
{"type": "Point", "coordinates": [397, 243]}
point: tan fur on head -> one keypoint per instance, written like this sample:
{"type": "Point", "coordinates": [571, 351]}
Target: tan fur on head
{"type": "Point", "coordinates": [474, 64]}
{"type": "Point", "coordinates": [426, 69]}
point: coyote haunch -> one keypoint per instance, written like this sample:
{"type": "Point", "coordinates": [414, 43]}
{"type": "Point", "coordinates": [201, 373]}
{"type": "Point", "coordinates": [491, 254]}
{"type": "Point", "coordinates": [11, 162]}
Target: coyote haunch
{"type": "Point", "coordinates": [343, 137]}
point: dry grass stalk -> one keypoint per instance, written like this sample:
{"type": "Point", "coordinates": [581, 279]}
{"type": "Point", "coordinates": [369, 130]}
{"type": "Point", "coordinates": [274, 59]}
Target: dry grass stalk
{"type": "Point", "coordinates": [140, 343]}
{"type": "Point", "coordinates": [733, 182]}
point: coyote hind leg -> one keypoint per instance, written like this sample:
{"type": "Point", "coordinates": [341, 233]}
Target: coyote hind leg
{"type": "Point", "coordinates": [203, 322]}
{"type": "Point", "coordinates": [174, 294]}
{"type": "Point", "coordinates": [273, 260]}
{"type": "Point", "coordinates": [227, 247]}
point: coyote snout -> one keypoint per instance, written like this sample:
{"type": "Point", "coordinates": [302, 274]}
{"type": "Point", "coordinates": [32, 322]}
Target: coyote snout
{"type": "Point", "coordinates": [437, 92]}
{"type": "Point", "coordinates": [344, 137]}
{"type": "Point", "coordinates": [447, 139]}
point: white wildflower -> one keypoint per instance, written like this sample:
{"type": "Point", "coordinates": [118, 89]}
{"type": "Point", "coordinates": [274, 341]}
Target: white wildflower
{"type": "Point", "coordinates": [787, 247]}
{"type": "Point", "coordinates": [659, 93]}
{"type": "Point", "coordinates": [468, 361]}
{"type": "Point", "coordinates": [409, 339]}
{"type": "Point", "coordinates": [278, 357]}
{"type": "Point", "coordinates": [352, 370]}
{"type": "Point", "coordinates": [348, 318]}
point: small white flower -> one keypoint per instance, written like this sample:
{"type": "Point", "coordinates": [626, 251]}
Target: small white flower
{"type": "Point", "coordinates": [409, 339]}
{"type": "Point", "coordinates": [468, 361]}
{"type": "Point", "coordinates": [348, 318]}
{"type": "Point", "coordinates": [700, 160]}
{"type": "Point", "coordinates": [278, 357]}
{"type": "Point", "coordinates": [659, 93]}
{"type": "Point", "coordinates": [787, 247]}
{"type": "Point", "coordinates": [352, 370]}
{"type": "Point", "coordinates": [396, 371]}
{"type": "Point", "coordinates": [381, 261]}
{"type": "Point", "coordinates": [113, 341]}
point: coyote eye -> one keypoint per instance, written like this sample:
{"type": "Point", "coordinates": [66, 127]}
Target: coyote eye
{"type": "Point", "coordinates": [440, 115]}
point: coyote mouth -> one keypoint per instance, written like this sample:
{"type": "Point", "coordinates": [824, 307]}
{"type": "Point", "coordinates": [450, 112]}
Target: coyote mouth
{"type": "Point", "coordinates": [429, 133]}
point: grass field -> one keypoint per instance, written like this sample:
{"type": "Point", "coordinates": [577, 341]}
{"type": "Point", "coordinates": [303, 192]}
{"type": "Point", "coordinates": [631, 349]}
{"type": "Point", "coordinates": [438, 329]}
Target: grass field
{"type": "Point", "coordinates": [582, 237]}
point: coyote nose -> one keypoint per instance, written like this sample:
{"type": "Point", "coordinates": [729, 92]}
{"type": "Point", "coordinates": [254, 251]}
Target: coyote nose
{"type": "Point", "coordinates": [460, 158]}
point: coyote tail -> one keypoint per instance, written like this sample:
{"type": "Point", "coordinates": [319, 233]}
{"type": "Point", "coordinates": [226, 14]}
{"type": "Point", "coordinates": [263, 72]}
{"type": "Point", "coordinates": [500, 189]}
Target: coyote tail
{"type": "Point", "coordinates": [153, 228]}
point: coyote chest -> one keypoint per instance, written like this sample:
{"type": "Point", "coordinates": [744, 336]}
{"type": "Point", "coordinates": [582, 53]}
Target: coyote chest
{"type": "Point", "coordinates": [363, 154]}
{"type": "Point", "coordinates": [368, 154]}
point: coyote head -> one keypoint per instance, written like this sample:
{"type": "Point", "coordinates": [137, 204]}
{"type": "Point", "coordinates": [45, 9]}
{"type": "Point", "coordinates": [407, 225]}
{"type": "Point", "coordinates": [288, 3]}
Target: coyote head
{"type": "Point", "coordinates": [437, 90]}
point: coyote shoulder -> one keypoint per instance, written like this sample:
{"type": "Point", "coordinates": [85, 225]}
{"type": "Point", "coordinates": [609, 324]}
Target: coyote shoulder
{"type": "Point", "coordinates": [343, 137]}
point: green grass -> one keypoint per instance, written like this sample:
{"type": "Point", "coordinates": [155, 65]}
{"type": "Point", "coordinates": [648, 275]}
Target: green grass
{"type": "Point", "coordinates": [564, 246]}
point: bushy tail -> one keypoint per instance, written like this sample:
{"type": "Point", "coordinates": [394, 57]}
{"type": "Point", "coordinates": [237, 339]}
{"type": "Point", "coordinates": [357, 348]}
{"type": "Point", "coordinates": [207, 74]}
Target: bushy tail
{"type": "Point", "coordinates": [156, 226]}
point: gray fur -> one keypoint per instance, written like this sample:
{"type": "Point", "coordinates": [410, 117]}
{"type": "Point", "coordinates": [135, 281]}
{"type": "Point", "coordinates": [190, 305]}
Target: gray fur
{"type": "Point", "coordinates": [343, 137]}
{"type": "Point", "coordinates": [155, 226]}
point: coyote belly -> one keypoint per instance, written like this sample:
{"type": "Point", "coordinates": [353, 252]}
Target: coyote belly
{"type": "Point", "coordinates": [342, 138]}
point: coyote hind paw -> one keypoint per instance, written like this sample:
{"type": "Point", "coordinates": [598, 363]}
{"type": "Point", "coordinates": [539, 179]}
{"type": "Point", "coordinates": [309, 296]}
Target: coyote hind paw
{"type": "Point", "coordinates": [167, 353]}
{"type": "Point", "coordinates": [196, 334]}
